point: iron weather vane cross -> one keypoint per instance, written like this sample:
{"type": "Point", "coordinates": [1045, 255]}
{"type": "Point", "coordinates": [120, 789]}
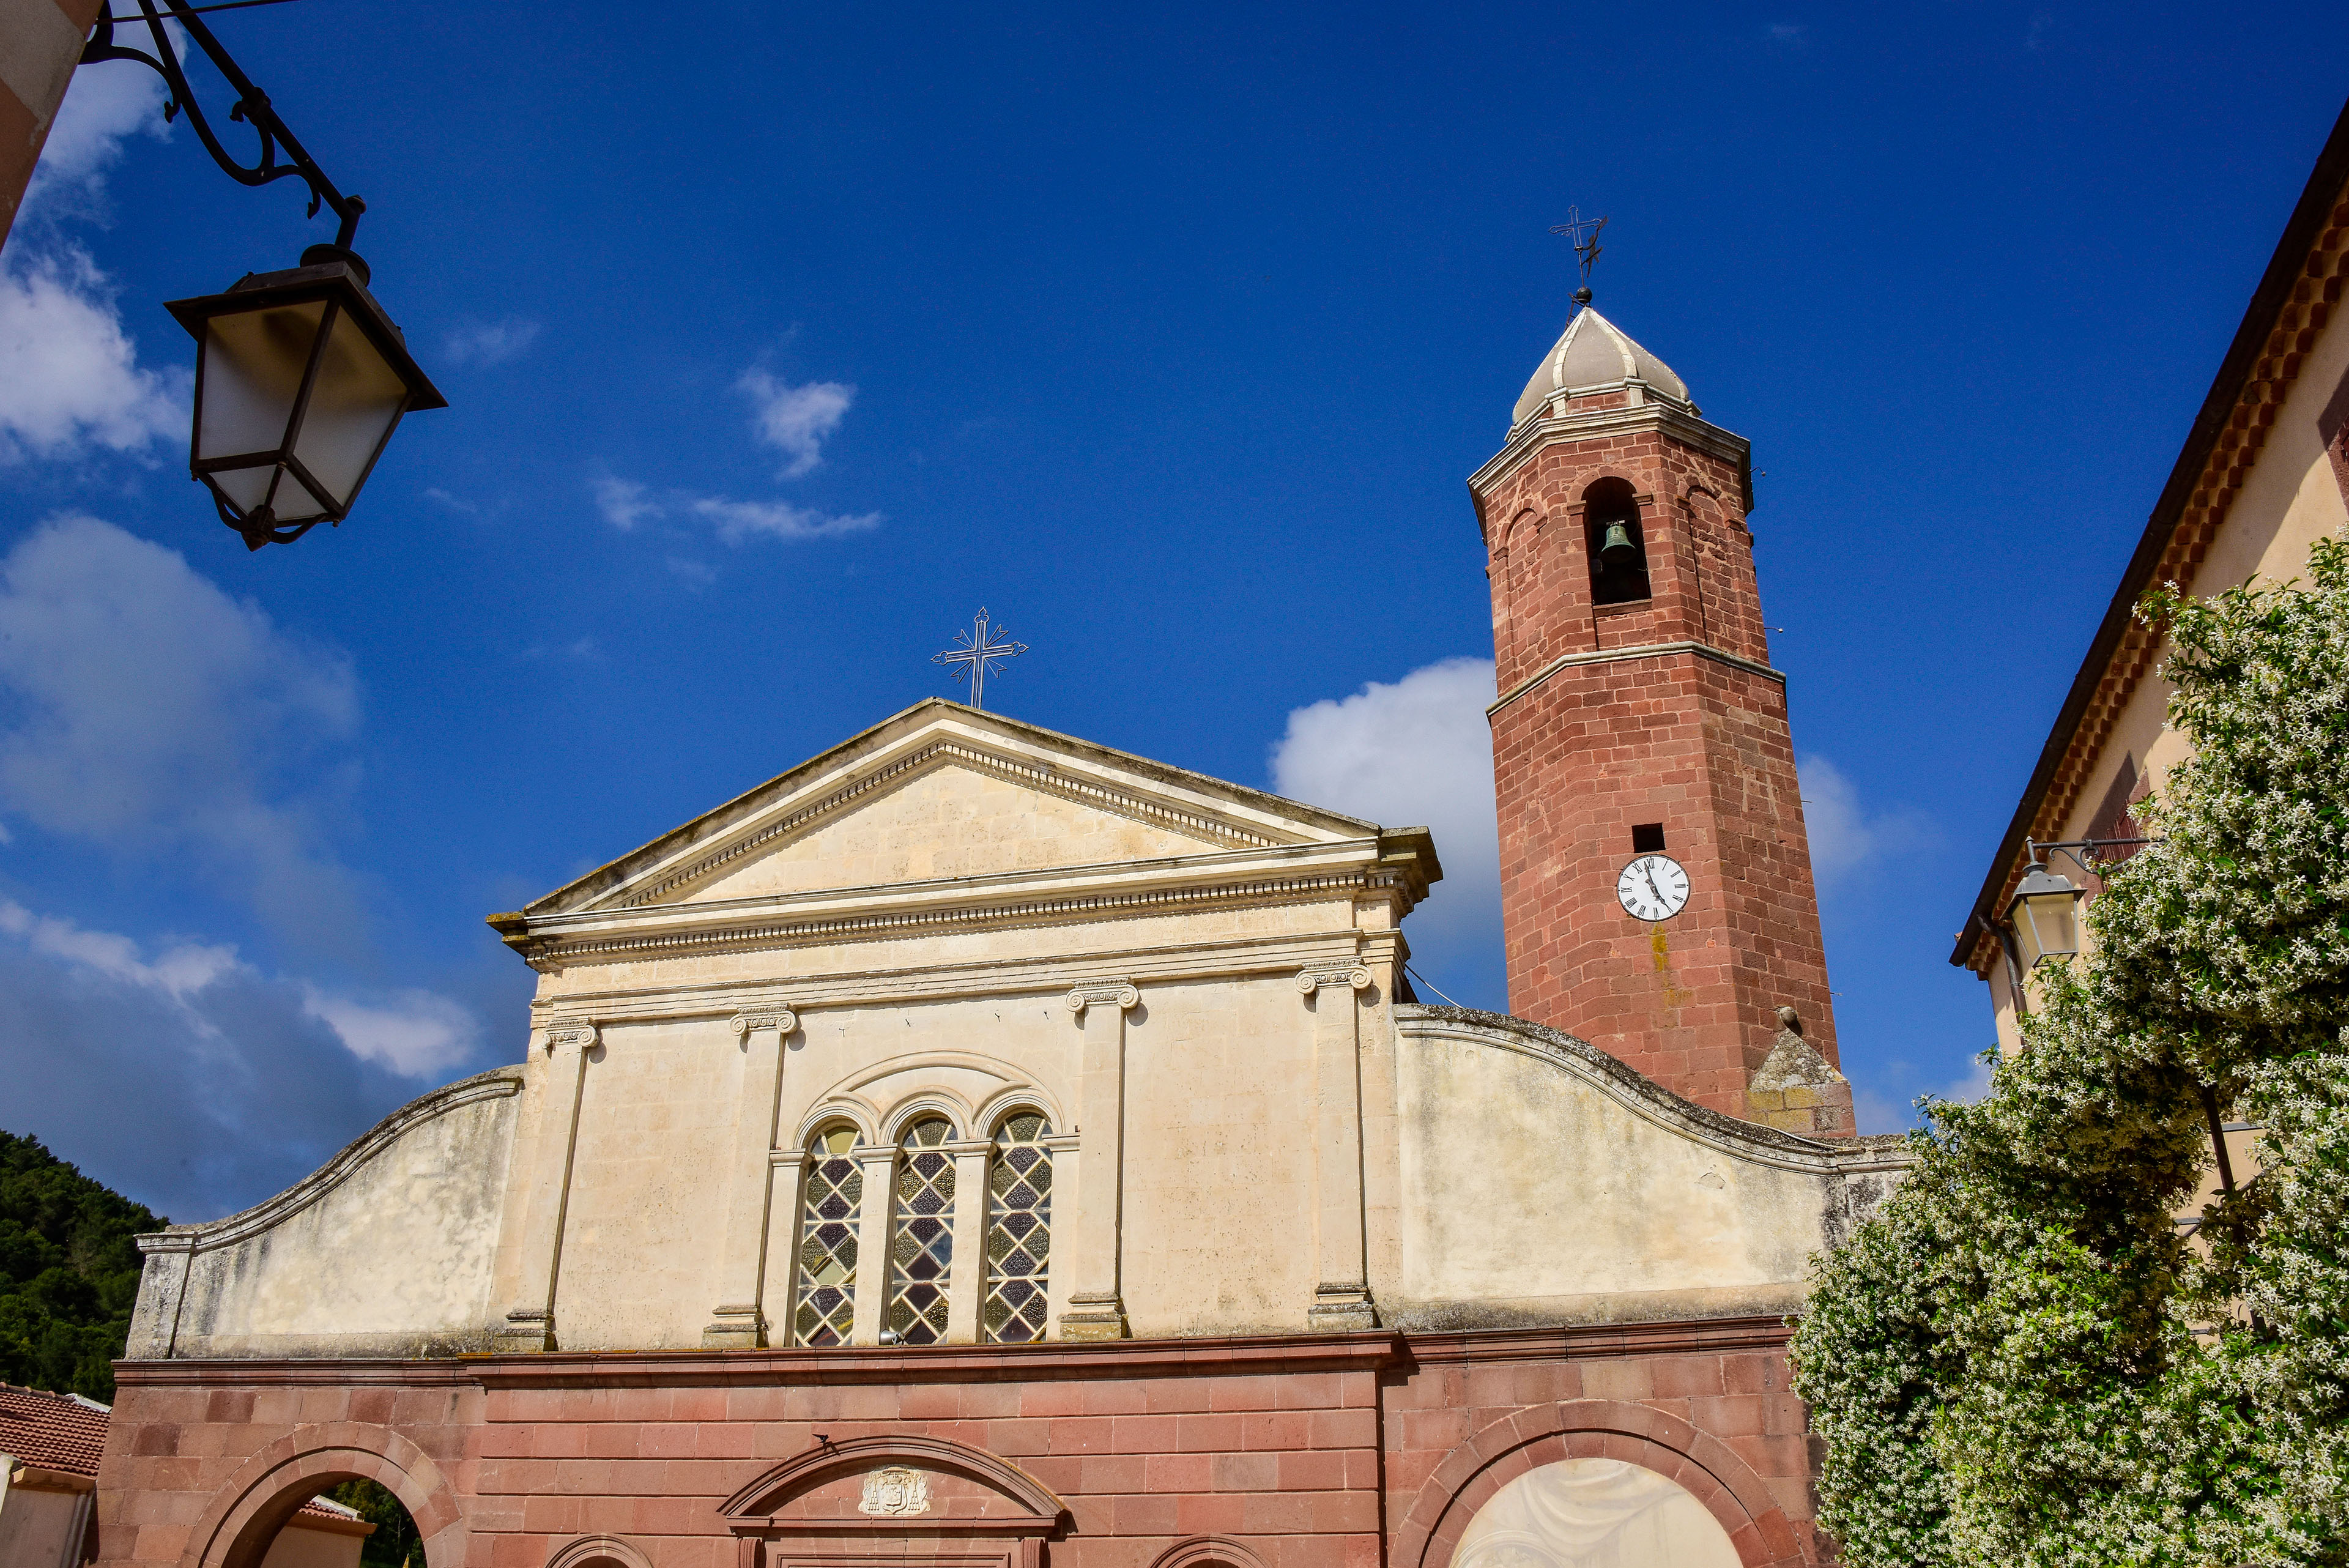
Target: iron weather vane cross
{"type": "Point", "coordinates": [1582, 234]}
{"type": "Point", "coordinates": [975, 654]}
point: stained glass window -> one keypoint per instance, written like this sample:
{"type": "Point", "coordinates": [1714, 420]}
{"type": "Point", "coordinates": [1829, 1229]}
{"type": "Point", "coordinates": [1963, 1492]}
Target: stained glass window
{"type": "Point", "coordinates": [1018, 1230]}
{"type": "Point", "coordinates": [921, 1244]}
{"type": "Point", "coordinates": [827, 1263]}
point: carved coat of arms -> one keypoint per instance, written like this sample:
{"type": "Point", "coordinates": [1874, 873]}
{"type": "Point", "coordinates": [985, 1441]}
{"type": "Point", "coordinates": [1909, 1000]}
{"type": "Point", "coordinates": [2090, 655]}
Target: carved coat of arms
{"type": "Point", "coordinates": [895, 1490]}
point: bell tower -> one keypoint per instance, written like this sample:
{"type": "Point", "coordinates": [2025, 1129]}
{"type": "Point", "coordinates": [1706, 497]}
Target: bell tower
{"type": "Point", "coordinates": [1655, 875]}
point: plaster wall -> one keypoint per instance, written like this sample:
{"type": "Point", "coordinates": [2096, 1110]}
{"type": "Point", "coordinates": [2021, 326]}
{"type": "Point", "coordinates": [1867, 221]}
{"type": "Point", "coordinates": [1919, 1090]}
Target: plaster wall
{"type": "Point", "coordinates": [300, 1547]}
{"type": "Point", "coordinates": [2291, 497]}
{"type": "Point", "coordinates": [1535, 1187]}
{"type": "Point", "coordinates": [385, 1250]}
{"type": "Point", "coordinates": [41, 1527]}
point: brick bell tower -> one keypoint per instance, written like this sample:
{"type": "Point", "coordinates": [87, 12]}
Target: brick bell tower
{"type": "Point", "coordinates": [1655, 875]}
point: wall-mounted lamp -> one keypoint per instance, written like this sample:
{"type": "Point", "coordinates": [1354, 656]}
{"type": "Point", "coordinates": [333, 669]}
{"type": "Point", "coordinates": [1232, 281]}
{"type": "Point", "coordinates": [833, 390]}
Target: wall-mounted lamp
{"type": "Point", "coordinates": [2046, 916]}
{"type": "Point", "coordinates": [301, 377]}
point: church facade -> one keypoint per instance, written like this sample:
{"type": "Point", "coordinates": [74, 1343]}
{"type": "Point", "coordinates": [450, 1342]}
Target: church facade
{"type": "Point", "coordinates": [980, 1147]}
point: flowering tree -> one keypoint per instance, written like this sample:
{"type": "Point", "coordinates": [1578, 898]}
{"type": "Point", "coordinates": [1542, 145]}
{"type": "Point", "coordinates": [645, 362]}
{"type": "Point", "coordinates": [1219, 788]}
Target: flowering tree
{"type": "Point", "coordinates": [2022, 1359]}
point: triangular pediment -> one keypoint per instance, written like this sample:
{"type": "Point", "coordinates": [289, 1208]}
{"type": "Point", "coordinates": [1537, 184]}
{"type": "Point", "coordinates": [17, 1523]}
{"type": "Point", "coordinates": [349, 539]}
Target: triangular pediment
{"type": "Point", "coordinates": [945, 793]}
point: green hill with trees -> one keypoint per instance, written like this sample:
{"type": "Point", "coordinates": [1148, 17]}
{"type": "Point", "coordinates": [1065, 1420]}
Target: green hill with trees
{"type": "Point", "coordinates": [68, 1272]}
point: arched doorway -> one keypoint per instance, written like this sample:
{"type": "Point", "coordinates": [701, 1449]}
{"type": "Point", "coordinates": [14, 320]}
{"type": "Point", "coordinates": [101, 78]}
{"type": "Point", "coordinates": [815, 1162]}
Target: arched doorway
{"type": "Point", "coordinates": [242, 1526]}
{"type": "Point", "coordinates": [1593, 1513]}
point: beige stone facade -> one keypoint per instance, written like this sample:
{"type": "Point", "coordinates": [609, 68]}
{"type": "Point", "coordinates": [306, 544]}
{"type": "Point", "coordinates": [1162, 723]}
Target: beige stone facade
{"type": "Point", "coordinates": [1193, 992]}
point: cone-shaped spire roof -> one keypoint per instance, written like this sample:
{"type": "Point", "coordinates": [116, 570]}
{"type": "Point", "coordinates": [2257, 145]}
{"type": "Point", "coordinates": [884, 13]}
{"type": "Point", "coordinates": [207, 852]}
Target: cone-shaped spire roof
{"type": "Point", "coordinates": [1593, 354]}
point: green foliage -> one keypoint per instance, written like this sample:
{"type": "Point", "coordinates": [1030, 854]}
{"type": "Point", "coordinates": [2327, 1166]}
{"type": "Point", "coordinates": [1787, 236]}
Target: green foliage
{"type": "Point", "coordinates": [69, 1272]}
{"type": "Point", "coordinates": [2019, 1359]}
{"type": "Point", "coordinates": [394, 1543]}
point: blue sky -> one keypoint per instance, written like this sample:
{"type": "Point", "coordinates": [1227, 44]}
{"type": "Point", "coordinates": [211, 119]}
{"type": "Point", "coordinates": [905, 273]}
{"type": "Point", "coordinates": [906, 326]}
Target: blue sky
{"type": "Point", "coordinates": [778, 341]}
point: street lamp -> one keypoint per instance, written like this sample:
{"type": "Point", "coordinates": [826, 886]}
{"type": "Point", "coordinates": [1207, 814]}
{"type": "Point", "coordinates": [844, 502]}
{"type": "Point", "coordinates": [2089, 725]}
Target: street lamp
{"type": "Point", "coordinates": [2046, 915]}
{"type": "Point", "coordinates": [301, 377]}
{"type": "Point", "coordinates": [300, 380]}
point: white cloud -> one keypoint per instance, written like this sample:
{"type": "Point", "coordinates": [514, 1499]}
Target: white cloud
{"type": "Point", "coordinates": [739, 520]}
{"type": "Point", "coordinates": [622, 502]}
{"type": "Point", "coordinates": [143, 708]}
{"type": "Point", "coordinates": [1418, 753]}
{"type": "Point", "coordinates": [1846, 838]}
{"type": "Point", "coordinates": [795, 420]}
{"type": "Point", "coordinates": [487, 343]}
{"type": "Point", "coordinates": [189, 1079]}
{"type": "Point", "coordinates": [177, 972]}
{"type": "Point", "coordinates": [105, 105]}
{"type": "Point", "coordinates": [70, 379]}
{"type": "Point", "coordinates": [696, 575]}
{"type": "Point", "coordinates": [415, 1034]}
{"type": "Point", "coordinates": [69, 374]}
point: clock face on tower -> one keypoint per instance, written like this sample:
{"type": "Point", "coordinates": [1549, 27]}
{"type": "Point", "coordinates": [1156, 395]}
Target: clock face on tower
{"type": "Point", "coordinates": [1653, 887]}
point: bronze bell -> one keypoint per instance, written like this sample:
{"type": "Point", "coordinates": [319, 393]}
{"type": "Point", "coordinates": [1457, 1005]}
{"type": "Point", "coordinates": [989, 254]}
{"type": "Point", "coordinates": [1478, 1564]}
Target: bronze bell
{"type": "Point", "coordinates": [1618, 548]}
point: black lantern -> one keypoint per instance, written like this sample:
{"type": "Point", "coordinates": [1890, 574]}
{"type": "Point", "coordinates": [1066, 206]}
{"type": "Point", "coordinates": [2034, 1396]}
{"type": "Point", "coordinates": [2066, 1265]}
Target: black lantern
{"type": "Point", "coordinates": [2045, 913]}
{"type": "Point", "coordinates": [300, 379]}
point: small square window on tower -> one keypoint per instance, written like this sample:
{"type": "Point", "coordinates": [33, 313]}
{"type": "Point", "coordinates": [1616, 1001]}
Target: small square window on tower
{"type": "Point", "coordinates": [1647, 838]}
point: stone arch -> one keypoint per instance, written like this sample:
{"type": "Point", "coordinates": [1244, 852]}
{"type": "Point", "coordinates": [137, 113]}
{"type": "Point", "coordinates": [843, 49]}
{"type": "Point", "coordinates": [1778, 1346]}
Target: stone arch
{"type": "Point", "coordinates": [598, 1551]}
{"type": "Point", "coordinates": [937, 1101]}
{"type": "Point", "coordinates": [236, 1528]}
{"type": "Point", "coordinates": [752, 1503]}
{"type": "Point", "coordinates": [1699, 1462]}
{"type": "Point", "coordinates": [1207, 1552]}
{"type": "Point", "coordinates": [1010, 1103]}
{"type": "Point", "coordinates": [837, 1108]}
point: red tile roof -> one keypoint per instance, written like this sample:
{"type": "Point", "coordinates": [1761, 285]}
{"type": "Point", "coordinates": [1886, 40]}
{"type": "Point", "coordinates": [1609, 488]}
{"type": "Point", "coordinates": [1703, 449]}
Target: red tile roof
{"type": "Point", "coordinates": [64, 1433]}
{"type": "Point", "coordinates": [52, 1431]}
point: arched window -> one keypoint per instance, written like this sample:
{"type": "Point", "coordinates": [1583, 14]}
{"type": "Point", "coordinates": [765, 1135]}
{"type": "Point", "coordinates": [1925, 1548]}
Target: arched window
{"type": "Point", "coordinates": [1618, 550]}
{"type": "Point", "coordinates": [1018, 1230]}
{"type": "Point", "coordinates": [827, 1258]}
{"type": "Point", "coordinates": [921, 1249]}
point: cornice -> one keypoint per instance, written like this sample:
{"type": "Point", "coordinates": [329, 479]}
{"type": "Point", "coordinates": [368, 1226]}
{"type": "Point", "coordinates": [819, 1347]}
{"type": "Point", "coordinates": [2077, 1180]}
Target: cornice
{"type": "Point", "coordinates": [1057, 896]}
{"type": "Point", "coordinates": [496, 1083]}
{"type": "Point", "coordinates": [1650, 1101]}
{"type": "Point", "coordinates": [1049, 781]}
{"type": "Point", "coordinates": [1167, 795]}
{"type": "Point", "coordinates": [1588, 424]}
{"type": "Point", "coordinates": [1645, 650]}
{"type": "Point", "coordinates": [1042, 975]}
{"type": "Point", "coordinates": [1367, 1350]}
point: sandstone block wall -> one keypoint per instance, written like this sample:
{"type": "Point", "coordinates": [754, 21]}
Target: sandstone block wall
{"type": "Point", "coordinates": [1355, 1451]}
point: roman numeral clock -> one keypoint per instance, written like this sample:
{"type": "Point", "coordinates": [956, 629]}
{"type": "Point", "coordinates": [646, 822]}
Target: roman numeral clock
{"type": "Point", "coordinates": [1652, 887]}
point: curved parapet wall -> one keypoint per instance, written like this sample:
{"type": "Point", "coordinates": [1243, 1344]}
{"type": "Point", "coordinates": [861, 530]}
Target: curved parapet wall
{"type": "Point", "coordinates": [387, 1249]}
{"type": "Point", "coordinates": [1542, 1182]}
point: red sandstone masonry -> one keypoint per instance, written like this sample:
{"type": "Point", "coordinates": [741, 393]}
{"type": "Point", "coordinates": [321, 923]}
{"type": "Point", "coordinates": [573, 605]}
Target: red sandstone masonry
{"type": "Point", "coordinates": [1309, 1452]}
{"type": "Point", "coordinates": [1698, 744]}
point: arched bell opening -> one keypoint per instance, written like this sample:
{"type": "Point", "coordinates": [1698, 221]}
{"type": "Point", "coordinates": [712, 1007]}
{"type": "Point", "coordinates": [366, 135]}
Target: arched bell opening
{"type": "Point", "coordinates": [1618, 543]}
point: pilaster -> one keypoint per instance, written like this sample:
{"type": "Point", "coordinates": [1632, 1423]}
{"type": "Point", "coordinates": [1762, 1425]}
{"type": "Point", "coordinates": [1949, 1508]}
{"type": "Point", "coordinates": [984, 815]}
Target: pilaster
{"type": "Point", "coordinates": [1341, 1300]}
{"type": "Point", "coordinates": [966, 1285]}
{"type": "Point", "coordinates": [736, 1321]}
{"type": "Point", "coordinates": [529, 1323]}
{"type": "Point", "coordinates": [1096, 1308]}
{"type": "Point", "coordinates": [876, 1211]}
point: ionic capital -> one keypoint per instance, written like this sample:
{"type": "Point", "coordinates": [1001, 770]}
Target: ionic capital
{"type": "Point", "coordinates": [1116, 992]}
{"type": "Point", "coordinates": [578, 1032]}
{"type": "Point", "coordinates": [782, 1020]}
{"type": "Point", "coordinates": [1353, 977]}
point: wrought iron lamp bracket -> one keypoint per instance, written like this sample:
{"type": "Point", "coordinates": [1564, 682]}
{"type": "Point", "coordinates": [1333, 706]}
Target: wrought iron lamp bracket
{"type": "Point", "coordinates": [2087, 853]}
{"type": "Point", "coordinates": [252, 108]}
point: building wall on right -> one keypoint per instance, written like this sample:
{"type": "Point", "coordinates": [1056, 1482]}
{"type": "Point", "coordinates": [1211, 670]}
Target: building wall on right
{"type": "Point", "coordinates": [2263, 474]}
